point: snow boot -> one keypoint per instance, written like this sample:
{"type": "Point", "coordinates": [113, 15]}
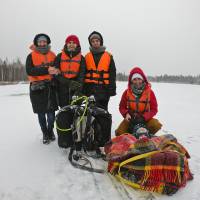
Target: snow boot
{"type": "Point", "coordinates": [51, 135]}
{"type": "Point", "coordinates": [45, 138]}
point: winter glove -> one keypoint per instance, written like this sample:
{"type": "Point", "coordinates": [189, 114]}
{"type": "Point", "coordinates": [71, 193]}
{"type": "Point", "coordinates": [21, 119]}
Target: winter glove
{"type": "Point", "coordinates": [112, 91]}
{"type": "Point", "coordinates": [75, 86]}
{"type": "Point", "coordinates": [138, 119]}
{"type": "Point", "coordinates": [136, 122]}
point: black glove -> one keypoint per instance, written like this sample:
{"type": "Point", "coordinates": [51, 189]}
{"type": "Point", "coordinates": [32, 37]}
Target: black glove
{"type": "Point", "coordinates": [136, 122]}
{"type": "Point", "coordinates": [75, 85]}
{"type": "Point", "coordinates": [112, 92]}
{"type": "Point", "coordinates": [138, 119]}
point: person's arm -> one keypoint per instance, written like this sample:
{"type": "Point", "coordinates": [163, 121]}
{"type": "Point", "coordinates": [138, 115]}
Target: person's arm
{"type": "Point", "coordinates": [34, 71]}
{"type": "Point", "coordinates": [81, 75]}
{"type": "Point", "coordinates": [112, 78]}
{"type": "Point", "coordinates": [123, 104]}
{"type": "Point", "coordinates": [153, 107]}
{"type": "Point", "coordinates": [60, 78]}
{"type": "Point", "coordinates": [57, 61]}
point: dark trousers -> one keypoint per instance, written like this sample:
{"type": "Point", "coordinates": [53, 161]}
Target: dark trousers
{"type": "Point", "coordinates": [102, 102]}
{"type": "Point", "coordinates": [46, 121]}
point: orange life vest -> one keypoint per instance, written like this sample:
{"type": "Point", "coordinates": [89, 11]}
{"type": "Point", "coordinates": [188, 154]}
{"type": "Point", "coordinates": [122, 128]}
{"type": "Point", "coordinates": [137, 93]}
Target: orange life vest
{"type": "Point", "coordinates": [70, 67]}
{"type": "Point", "coordinates": [97, 74]}
{"type": "Point", "coordinates": [42, 60]}
{"type": "Point", "coordinates": [140, 105]}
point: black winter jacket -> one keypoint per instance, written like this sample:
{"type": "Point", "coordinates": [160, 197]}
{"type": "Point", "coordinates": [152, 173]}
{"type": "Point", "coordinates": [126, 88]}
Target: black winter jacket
{"type": "Point", "coordinates": [42, 101]}
{"type": "Point", "coordinates": [101, 91]}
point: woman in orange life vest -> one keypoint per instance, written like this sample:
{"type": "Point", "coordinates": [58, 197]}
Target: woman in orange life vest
{"type": "Point", "coordinates": [138, 104]}
{"type": "Point", "coordinates": [39, 67]}
{"type": "Point", "coordinates": [100, 79]}
{"type": "Point", "coordinates": [71, 64]}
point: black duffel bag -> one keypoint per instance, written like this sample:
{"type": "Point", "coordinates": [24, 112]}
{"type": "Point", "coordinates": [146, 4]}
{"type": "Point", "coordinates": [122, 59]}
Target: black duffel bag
{"type": "Point", "coordinates": [64, 120]}
{"type": "Point", "coordinates": [102, 126]}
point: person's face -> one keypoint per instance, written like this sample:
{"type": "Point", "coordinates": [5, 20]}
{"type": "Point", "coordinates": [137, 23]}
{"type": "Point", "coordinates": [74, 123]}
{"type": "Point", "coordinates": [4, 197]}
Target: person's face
{"type": "Point", "coordinates": [137, 82]}
{"type": "Point", "coordinates": [42, 43]}
{"type": "Point", "coordinates": [95, 43]}
{"type": "Point", "coordinates": [71, 46]}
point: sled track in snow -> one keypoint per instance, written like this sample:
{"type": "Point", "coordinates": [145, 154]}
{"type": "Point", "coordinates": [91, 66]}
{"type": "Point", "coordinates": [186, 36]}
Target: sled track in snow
{"type": "Point", "coordinates": [96, 185]}
{"type": "Point", "coordinates": [125, 192]}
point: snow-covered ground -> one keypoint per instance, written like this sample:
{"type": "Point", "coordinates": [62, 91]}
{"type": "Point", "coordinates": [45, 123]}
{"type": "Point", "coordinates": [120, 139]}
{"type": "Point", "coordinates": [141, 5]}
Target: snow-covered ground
{"type": "Point", "coordinates": [30, 170]}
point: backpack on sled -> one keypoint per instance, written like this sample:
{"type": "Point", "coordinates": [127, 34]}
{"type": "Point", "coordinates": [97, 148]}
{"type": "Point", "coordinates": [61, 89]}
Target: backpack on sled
{"type": "Point", "coordinates": [83, 122]}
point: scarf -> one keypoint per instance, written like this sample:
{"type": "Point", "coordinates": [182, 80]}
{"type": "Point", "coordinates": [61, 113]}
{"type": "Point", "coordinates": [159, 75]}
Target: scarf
{"type": "Point", "coordinates": [138, 91]}
{"type": "Point", "coordinates": [43, 50]}
{"type": "Point", "coordinates": [72, 54]}
{"type": "Point", "coordinates": [101, 49]}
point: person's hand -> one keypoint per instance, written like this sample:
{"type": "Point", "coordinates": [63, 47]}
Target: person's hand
{"type": "Point", "coordinates": [53, 71]}
{"type": "Point", "coordinates": [57, 71]}
{"type": "Point", "coordinates": [138, 119]}
{"type": "Point", "coordinates": [128, 117]}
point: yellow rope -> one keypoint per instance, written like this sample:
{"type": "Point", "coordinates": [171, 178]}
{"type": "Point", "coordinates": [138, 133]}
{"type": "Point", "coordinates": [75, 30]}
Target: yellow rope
{"type": "Point", "coordinates": [119, 175]}
{"type": "Point", "coordinates": [78, 124]}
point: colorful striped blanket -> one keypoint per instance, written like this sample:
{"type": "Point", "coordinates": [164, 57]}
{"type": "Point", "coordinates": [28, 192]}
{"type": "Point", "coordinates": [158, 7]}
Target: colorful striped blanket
{"type": "Point", "coordinates": [158, 164]}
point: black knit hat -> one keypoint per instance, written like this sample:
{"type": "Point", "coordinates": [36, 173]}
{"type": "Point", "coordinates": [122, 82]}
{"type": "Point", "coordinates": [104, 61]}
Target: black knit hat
{"type": "Point", "coordinates": [39, 35]}
{"type": "Point", "coordinates": [99, 36]}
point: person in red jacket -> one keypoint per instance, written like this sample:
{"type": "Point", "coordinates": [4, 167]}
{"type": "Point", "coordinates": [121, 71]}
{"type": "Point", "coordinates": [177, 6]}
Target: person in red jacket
{"type": "Point", "coordinates": [138, 104]}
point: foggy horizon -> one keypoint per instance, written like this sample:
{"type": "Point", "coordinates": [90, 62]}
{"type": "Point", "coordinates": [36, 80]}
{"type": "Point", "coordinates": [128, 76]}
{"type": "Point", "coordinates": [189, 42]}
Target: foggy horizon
{"type": "Point", "coordinates": [161, 37]}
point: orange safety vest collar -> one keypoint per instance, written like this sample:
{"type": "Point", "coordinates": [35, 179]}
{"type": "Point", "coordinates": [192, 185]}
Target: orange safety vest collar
{"type": "Point", "coordinates": [98, 74]}
{"type": "Point", "coordinates": [42, 60]}
{"type": "Point", "coordinates": [70, 67]}
{"type": "Point", "coordinates": [139, 105]}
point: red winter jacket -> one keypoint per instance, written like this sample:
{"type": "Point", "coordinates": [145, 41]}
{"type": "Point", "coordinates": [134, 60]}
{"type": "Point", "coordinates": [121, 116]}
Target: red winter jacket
{"type": "Point", "coordinates": [153, 102]}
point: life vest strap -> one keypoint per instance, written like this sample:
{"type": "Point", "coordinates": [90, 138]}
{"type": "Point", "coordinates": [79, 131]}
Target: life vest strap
{"type": "Point", "coordinates": [45, 64]}
{"type": "Point", "coordinates": [97, 71]}
{"type": "Point", "coordinates": [70, 60]}
{"type": "Point", "coordinates": [70, 72]}
{"type": "Point", "coordinates": [97, 79]}
{"type": "Point", "coordinates": [138, 101]}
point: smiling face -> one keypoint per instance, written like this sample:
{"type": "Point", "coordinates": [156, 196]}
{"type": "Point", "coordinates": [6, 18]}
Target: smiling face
{"type": "Point", "coordinates": [42, 43]}
{"type": "Point", "coordinates": [95, 43]}
{"type": "Point", "coordinates": [71, 46]}
{"type": "Point", "coordinates": [137, 82]}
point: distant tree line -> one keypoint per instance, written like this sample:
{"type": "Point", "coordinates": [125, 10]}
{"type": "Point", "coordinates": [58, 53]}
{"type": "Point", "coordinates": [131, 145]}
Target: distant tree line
{"type": "Point", "coordinates": [176, 79]}
{"type": "Point", "coordinates": [15, 71]}
{"type": "Point", "coordinates": [166, 78]}
{"type": "Point", "coordinates": [12, 71]}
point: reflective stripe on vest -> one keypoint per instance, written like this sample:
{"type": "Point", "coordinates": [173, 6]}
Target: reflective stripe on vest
{"type": "Point", "coordinates": [70, 67]}
{"type": "Point", "coordinates": [97, 74]}
{"type": "Point", "coordinates": [139, 105]}
{"type": "Point", "coordinates": [42, 60]}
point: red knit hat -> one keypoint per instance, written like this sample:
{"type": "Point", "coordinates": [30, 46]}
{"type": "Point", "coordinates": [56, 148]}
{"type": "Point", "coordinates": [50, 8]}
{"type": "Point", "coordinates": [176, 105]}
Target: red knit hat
{"type": "Point", "coordinates": [73, 38]}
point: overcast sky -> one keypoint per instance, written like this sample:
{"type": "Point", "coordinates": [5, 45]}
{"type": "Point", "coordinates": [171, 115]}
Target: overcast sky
{"type": "Point", "coordinates": [160, 36]}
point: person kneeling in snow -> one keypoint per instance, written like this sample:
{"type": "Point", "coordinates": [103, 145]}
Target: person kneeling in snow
{"type": "Point", "coordinates": [138, 104]}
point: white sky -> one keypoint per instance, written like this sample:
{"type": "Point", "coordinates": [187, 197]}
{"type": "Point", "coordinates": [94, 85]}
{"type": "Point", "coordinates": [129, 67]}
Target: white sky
{"type": "Point", "coordinates": [160, 36]}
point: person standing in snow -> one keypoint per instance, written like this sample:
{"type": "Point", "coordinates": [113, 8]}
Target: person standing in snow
{"type": "Point", "coordinates": [71, 64]}
{"type": "Point", "coordinates": [138, 104]}
{"type": "Point", "coordinates": [40, 71]}
{"type": "Point", "coordinates": [100, 79]}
